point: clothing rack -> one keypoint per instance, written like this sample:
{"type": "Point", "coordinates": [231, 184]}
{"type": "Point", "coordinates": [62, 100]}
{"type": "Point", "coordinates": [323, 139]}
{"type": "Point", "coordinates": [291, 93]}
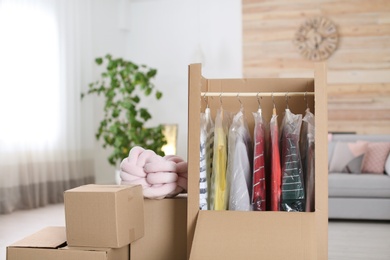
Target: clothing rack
{"type": "Point", "coordinates": [254, 94]}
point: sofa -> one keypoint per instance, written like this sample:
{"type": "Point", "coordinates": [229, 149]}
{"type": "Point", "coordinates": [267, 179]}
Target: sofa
{"type": "Point", "coordinates": [359, 176]}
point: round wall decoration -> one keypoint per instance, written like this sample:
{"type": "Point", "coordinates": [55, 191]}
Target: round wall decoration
{"type": "Point", "coordinates": [316, 39]}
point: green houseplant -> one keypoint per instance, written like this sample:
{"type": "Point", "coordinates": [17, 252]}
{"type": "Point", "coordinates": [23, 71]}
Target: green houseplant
{"type": "Point", "coordinates": [122, 83]}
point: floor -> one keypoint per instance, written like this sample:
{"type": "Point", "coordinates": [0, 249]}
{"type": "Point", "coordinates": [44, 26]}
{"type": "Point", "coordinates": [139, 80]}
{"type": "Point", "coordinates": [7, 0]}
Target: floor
{"type": "Point", "coordinates": [348, 240]}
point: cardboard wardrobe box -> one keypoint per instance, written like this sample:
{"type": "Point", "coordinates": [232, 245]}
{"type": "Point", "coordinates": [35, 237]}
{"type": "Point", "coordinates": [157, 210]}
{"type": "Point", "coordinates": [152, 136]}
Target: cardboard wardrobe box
{"type": "Point", "coordinates": [104, 215]}
{"type": "Point", "coordinates": [50, 244]}
{"type": "Point", "coordinates": [165, 231]}
{"type": "Point", "coordinates": [258, 235]}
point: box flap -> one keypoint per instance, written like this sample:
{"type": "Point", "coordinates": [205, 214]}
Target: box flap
{"type": "Point", "coordinates": [100, 188]}
{"type": "Point", "coordinates": [49, 237]}
{"type": "Point", "coordinates": [86, 248]}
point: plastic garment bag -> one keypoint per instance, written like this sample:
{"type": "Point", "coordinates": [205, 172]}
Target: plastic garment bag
{"type": "Point", "coordinates": [275, 165]}
{"type": "Point", "coordinates": [293, 196]}
{"type": "Point", "coordinates": [239, 165]}
{"type": "Point", "coordinates": [218, 199]}
{"type": "Point", "coordinates": [206, 157]}
{"type": "Point", "coordinates": [307, 154]}
{"type": "Point", "coordinates": [259, 183]}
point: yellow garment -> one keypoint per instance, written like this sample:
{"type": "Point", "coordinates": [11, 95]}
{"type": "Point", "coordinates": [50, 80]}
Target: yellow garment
{"type": "Point", "coordinates": [219, 169]}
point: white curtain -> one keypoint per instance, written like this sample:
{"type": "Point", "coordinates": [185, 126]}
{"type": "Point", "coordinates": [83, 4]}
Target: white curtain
{"type": "Point", "coordinates": [46, 139]}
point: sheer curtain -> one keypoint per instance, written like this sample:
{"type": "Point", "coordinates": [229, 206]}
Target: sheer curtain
{"type": "Point", "coordinates": [45, 139]}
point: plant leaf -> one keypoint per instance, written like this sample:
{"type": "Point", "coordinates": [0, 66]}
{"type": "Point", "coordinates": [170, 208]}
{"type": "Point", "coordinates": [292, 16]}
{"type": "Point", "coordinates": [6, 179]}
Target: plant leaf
{"type": "Point", "coordinates": [99, 61]}
{"type": "Point", "coordinates": [145, 115]}
{"type": "Point", "coordinates": [158, 95]}
{"type": "Point", "coordinates": [151, 73]}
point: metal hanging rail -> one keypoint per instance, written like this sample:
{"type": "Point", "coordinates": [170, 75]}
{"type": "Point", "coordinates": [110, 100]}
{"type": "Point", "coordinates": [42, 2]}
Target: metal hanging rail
{"type": "Point", "coordinates": [255, 94]}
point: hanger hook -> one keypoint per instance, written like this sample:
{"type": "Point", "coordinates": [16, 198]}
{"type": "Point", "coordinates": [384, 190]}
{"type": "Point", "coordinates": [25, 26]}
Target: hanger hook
{"type": "Point", "coordinates": [220, 98]}
{"type": "Point", "coordinates": [258, 100]}
{"type": "Point", "coordinates": [287, 100]}
{"type": "Point", "coordinates": [273, 99]}
{"type": "Point", "coordinates": [239, 100]}
{"type": "Point", "coordinates": [306, 99]}
{"type": "Point", "coordinates": [206, 100]}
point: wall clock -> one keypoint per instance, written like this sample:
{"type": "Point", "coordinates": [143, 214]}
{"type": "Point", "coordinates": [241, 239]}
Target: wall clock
{"type": "Point", "coordinates": [316, 39]}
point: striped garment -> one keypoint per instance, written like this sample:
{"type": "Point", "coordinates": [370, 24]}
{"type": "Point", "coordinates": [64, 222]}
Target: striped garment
{"type": "Point", "coordinates": [259, 185]}
{"type": "Point", "coordinates": [203, 175]}
{"type": "Point", "coordinates": [293, 196]}
{"type": "Point", "coordinates": [209, 160]}
{"type": "Point", "coordinates": [206, 157]}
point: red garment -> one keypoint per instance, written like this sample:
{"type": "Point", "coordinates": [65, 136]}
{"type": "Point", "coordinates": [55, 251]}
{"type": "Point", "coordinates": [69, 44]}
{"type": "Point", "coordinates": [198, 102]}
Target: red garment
{"type": "Point", "coordinates": [259, 187]}
{"type": "Point", "coordinates": [276, 171]}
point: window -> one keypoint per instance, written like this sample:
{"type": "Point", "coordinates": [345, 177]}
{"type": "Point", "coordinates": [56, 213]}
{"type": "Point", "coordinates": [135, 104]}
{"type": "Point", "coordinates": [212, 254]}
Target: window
{"type": "Point", "coordinates": [29, 75]}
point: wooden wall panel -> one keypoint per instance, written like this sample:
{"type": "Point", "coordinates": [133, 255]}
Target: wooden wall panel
{"type": "Point", "coordinates": [359, 70]}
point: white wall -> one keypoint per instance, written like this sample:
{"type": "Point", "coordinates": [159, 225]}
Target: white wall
{"type": "Point", "coordinates": [106, 37]}
{"type": "Point", "coordinates": [167, 35]}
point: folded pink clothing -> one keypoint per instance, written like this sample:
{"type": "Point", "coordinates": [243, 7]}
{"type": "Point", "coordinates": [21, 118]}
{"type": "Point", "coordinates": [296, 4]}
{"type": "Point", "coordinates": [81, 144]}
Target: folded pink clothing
{"type": "Point", "coordinates": [182, 170]}
{"type": "Point", "coordinates": [147, 156]}
{"type": "Point", "coordinates": [159, 176]}
{"type": "Point", "coordinates": [141, 181]}
{"type": "Point", "coordinates": [159, 191]}
{"type": "Point", "coordinates": [127, 167]}
{"type": "Point", "coordinates": [160, 166]}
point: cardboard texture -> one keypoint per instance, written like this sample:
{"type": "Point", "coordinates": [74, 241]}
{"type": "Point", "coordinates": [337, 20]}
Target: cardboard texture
{"type": "Point", "coordinates": [104, 215]}
{"type": "Point", "coordinates": [165, 231]}
{"type": "Point", "coordinates": [50, 244]}
{"type": "Point", "coordinates": [258, 235]}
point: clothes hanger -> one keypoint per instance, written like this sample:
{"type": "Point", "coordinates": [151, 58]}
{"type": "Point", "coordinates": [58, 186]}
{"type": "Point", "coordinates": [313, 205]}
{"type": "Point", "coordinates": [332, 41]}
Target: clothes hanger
{"type": "Point", "coordinates": [287, 107]}
{"type": "Point", "coordinates": [258, 102]}
{"type": "Point", "coordinates": [206, 100]}
{"type": "Point", "coordinates": [273, 101]}
{"type": "Point", "coordinates": [207, 110]}
{"type": "Point", "coordinates": [307, 101]}
{"type": "Point", "coordinates": [241, 105]}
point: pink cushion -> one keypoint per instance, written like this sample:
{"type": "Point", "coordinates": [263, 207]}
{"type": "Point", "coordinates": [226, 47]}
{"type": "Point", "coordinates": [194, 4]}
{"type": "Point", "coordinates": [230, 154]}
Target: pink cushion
{"type": "Point", "coordinates": [375, 157]}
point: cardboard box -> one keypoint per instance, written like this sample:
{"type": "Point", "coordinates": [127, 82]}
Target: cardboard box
{"type": "Point", "coordinates": [165, 231]}
{"type": "Point", "coordinates": [258, 235]}
{"type": "Point", "coordinates": [50, 244]}
{"type": "Point", "coordinates": [104, 215]}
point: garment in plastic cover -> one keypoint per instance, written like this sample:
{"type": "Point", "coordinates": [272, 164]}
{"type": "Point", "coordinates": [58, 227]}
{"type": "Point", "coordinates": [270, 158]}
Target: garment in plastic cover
{"type": "Point", "coordinates": [239, 170]}
{"type": "Point", "coordinates": [307, 154]}
{"type": "Point", "coordinates": [293, 195]}
{"type": "Point", "coordinates": [206, 157]}
{"type": "Point", "coordinates": [275, 192]}
{"type": "Point", "coordinates": [219, 199]}
{"type": "Point", "coordinates": [259, 178]}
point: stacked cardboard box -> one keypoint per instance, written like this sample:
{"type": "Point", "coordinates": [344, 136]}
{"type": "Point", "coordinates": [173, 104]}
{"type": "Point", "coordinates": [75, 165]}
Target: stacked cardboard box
{"type": "Point", "coordinates": [101, 222]}
{"type": "Point", "coordinates": [165, 231]}
{"type": "Point", "coordinates": [104, 215]}
{"type": "Point", "coordinates": [50, 244]}
{"type": "Point", "coordinates": [110, 222]}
